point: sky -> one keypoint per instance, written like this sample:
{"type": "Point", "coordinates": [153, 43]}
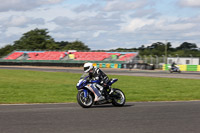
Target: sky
{"type": "Point", "coordinates": [103, 24]}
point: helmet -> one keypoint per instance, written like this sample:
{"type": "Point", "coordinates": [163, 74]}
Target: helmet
{"type": "Point", "coordinates": [88, 67]}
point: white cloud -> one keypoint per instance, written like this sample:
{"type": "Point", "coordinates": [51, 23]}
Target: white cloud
{"type": "Point", "coordinates": [136, 24]}
{"type": "Point", "coordinates": [87, 8]}
{"type": "Point", "coordinates": [192, 34]}
{"type": "Point", "coordinates": [190, 3]}
{"type": "Point", "coordinates": [119, 5]}
{"type": "Point", "coordinates": [15, 31]}
{"type": "Point", "coordinates": [17, 21]}
{"type": "Point", "coordinates": [162, 24]}
{"type": "Point", "coordinates": [20, 21]}
{"type": "Point", "coordinates": [97, 33]}
{"type": "Point", "coordinates": [24, 5]}
{"type": "Point", "coordinates": [50, 1]}
{"type": "Point", "coordinates": [178, 27]}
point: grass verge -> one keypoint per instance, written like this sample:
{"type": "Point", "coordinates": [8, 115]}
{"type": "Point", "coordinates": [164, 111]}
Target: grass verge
{"type": "Point", "coordinates": [21, 86]}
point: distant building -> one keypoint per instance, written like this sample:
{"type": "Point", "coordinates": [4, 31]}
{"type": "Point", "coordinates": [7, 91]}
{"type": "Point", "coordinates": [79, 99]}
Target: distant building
{"type": "Point", "coordinates": [184, 60]}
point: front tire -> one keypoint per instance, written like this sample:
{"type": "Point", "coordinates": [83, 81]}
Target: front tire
{"type": "Point", "coordinates": [119, 98]}
{"type": "Point", "coordinates": [85, 102]}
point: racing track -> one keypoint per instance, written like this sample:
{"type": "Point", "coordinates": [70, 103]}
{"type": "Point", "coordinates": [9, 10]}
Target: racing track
{"type": "Point", "coordinates": [134, 117]}
{"type": "Point", "coordinates": [152, 117]}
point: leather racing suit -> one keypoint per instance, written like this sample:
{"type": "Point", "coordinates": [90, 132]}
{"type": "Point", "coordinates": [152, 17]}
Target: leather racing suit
{"type": "Point", "coordinates": [98, 74]}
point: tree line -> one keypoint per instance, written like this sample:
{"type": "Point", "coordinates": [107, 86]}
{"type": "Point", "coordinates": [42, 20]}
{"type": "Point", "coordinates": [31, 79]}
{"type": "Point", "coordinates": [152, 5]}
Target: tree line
{"type": "Point", "coordinates": [38, 39]}
{"type": "Point", "coordinates": [185, 49]}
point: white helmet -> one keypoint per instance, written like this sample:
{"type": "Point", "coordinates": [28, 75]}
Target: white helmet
{"type": "Point", "coordinates": [88, 67]}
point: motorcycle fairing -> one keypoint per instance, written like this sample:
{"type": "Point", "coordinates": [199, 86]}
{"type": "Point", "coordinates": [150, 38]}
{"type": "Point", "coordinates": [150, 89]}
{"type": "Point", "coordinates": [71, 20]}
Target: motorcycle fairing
{"type": "Point", "coordinates": [94, 90]}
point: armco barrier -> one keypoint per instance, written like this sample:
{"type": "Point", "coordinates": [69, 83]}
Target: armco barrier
{"type": "Point", "coordinates": [184, 67]}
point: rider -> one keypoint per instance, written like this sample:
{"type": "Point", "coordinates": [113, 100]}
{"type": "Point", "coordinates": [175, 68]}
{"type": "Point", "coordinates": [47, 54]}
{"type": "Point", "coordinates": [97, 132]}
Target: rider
{"type": "Point", "coordinates": [96, 74]}
{"type": "Point", "coordinates": [173, 66]}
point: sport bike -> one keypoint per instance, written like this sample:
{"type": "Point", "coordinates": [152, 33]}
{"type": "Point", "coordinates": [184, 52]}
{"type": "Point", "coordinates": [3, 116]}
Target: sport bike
{"type": "Point", "coordinates": [86, 96]}
{"type": "Point", "coordinates": [175, 69]}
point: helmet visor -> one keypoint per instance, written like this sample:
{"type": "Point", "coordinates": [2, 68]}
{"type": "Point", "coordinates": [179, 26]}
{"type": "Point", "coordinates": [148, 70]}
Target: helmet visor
{"type": "Point", "coordinates": [86, 68]}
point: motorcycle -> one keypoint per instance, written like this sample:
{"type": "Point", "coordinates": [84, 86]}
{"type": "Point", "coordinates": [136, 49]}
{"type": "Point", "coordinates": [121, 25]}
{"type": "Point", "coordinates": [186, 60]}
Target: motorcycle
{"type": "Point", "coordinates": [86, 96]}
{"type": "Point", "coordinates": [174, 69]}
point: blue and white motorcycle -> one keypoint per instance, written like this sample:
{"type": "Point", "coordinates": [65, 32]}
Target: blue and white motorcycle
{"type": "Point", "coordinates": [86, 96]}
{"type": "Point", "coordinates": [174, 69]}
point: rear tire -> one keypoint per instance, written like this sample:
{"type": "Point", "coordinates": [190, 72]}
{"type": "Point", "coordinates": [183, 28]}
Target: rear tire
{"type": "Point", "coordinates": [85, 102]}
{"type": "Point", "coordinates": [120, 99]}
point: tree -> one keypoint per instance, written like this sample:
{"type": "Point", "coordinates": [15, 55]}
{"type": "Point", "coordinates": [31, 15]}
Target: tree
{"type": "Point", "coordinates": [76, 45]}
{"type": "Point", "coordinates": [6, 50]}
{"type": "Point", "coordinates": [37, 39]}
{"type": "Point", "coordinates": [187, 46]}
{"type": "Point", "coordinates": [141, 48]}
{"type": "Point", "coordinates": [62, 44]}
{"type": "Point", "coordinates": [157, 48]}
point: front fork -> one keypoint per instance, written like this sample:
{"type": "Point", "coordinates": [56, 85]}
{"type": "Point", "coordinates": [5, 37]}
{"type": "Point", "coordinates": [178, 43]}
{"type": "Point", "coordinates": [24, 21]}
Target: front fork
{"type": "Point", "coordinates": [85, 93]}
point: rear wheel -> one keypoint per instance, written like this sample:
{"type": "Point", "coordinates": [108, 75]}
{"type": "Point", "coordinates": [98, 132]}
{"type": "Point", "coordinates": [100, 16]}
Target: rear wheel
{"type": "Point", "coordinates": [85, 102]}
{"type": "Point", "coordinates": [119, 98]}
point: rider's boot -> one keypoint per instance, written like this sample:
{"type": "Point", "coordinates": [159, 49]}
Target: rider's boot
{"type": "Point", "coordinates": [111, 91]}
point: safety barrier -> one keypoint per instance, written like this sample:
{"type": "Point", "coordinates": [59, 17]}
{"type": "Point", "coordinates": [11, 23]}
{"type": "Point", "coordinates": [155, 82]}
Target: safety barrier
{"type": "Point", "coordinates": [58, 63]}
{"type": "Point", "coordinates": [184, 67]}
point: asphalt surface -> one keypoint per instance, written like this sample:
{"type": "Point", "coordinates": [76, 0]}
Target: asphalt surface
{"type": "Point", "coordinates": [147, 117]}
{"type": "Point", "coordinates": [133, 72]}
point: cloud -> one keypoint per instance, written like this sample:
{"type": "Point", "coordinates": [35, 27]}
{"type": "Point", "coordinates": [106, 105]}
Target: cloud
{"type": "Point", "coordinates": [21, 21]}
{"type": "Point", "coordinates": [192, 34]}
{"type": "Point", "coordinates": [136, 24]}
{"type": "Point", "coordinates": [177, 27]}
{"type": "Point", "coordinates": [190, 3]}
{"type": "Point", "coordinates": [102, 24]}
{"type": "Point", "coordinates": [147, 13]}
{"type": "Point", "coordinates": [13, 27]}
{"type": "Point", "coordinates": [119, 5]}
{"type": "Point", "coordinates": [87, 8]}
{"type": "Point", "coordinates": [88, 23]}
{"type": "Point", "coordinates": [160, 24]}
{"type": "Point", "coordinates": [97, 33]}
{"type": "Point", "coordinates": [24, 5]}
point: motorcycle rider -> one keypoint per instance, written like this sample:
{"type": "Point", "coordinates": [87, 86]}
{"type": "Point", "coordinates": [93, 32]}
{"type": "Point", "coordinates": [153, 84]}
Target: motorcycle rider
{"type": "Point", "coordinates": [97, 74]}
{"type": "Point", "coordinates": [173, 66]}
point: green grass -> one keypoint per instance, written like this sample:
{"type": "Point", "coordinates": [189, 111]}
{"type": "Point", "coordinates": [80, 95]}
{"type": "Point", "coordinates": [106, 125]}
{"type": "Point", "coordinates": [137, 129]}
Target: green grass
{"type": "Point", "coordinates": [20, 86]}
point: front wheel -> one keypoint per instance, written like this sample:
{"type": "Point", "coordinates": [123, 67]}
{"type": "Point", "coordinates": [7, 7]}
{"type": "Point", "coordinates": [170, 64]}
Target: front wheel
{"type": "Point", "coordinates": [83, 101]}
{"type": "Point", "coordinates": [119, 98]}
